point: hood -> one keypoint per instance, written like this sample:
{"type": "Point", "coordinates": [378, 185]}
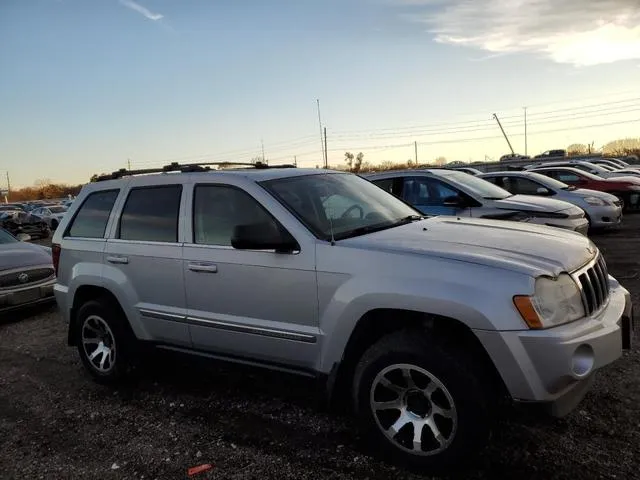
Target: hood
{"type": "Point", "coordinates": [526, 248]}
{"type": "Point", "coordinates": [533, 203]}
{"type": "Point", "coordinates": [585, 192]}
{"type": "Point", "coordinates": [22, 254]}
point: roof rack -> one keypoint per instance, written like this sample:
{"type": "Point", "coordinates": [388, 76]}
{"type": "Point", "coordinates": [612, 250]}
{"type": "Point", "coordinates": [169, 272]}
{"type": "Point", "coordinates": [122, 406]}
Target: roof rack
{"type": "Point", "coordinates": [183, 168]}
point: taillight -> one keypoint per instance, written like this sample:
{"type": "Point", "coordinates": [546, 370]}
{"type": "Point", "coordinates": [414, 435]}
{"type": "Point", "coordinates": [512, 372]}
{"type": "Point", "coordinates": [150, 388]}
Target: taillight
{"type": "Point", "coordinates": [55, 255]}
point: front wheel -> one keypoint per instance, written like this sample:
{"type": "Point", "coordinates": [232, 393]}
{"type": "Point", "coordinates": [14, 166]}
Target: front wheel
{"type": "Point", "coordinates": [420, 404]}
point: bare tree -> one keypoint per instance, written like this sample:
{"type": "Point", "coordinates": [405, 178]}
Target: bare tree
{"type": "Point", "coordinates": [348, 157]}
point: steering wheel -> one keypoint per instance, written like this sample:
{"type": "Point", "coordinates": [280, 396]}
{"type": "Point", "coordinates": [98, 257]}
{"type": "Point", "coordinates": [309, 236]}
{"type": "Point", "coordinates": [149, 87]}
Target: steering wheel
{"type": "Point", "coordinates": [353, 207]}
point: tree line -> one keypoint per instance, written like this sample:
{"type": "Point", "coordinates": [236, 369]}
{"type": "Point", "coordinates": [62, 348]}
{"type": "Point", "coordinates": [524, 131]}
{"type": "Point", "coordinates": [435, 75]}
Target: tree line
{"type": "Point", "coordinates": [43, 189]}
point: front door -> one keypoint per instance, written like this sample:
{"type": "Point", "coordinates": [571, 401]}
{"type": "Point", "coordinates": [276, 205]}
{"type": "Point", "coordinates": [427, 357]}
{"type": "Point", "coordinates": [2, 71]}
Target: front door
{"type": "Point", "coordinates": [258, 305]}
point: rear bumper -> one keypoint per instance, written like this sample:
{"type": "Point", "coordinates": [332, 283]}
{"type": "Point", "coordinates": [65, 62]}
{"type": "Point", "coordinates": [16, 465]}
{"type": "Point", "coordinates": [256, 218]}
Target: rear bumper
{"type": "Point", "coordinates": [556, 366]}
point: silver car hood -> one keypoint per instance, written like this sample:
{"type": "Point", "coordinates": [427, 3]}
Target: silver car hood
{"type": "Point", "coordinates": [534, 204]}
{"type": "Point", "coordinates": [21, 254]}
{"type": "Point", "coordinates": [526, 248]}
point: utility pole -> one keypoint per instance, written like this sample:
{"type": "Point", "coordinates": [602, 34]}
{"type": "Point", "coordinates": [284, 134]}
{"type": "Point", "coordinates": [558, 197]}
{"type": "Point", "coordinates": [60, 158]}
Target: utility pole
{"type": "Point", "coordinates": [503, 133]}
{"type": "Point", "coordinates": [525, 130]}
{"type": "Point", "coordinates": [128, 164]}
{"type": "Point", "coordinates": [295, 160]}
{"type": "Point", "coordinates": [263, 159]}
{"type": "Point", "coordinates": [415, 146]}
{"type": "Point", "coordinates": [8, 185]}
{"type": "Point", "coordinates": [326, 153]}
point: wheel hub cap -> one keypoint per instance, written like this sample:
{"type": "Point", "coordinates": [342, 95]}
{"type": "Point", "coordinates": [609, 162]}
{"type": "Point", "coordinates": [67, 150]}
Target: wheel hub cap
{"type": "Point", "coordinates": [98, 343]}
{"type": "Point", "coordinates": [413, 409]}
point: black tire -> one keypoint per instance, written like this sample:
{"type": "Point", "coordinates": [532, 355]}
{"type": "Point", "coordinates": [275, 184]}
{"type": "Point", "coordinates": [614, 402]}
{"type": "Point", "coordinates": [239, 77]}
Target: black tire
{"type": "Point", "coordinates": [124, 342]}
{"type": "Point", "coordinates": [472, 398]}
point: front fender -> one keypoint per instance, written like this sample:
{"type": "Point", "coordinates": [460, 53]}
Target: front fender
{"type": "Point", "coordinates": [478, 305]}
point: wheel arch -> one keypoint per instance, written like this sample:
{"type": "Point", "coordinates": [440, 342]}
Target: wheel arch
{"type": "Point", "coordinates": [375, 324]}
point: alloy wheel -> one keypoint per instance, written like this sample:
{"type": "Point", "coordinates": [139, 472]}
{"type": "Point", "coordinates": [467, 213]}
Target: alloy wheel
{"type": "Point", "coordinates": [413, 409]}
{"type": "Point", "coordinates": [99, 343]}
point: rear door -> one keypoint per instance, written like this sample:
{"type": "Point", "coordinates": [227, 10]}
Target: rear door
{"type": "Point", "coordinates": [144, 256]}
{"type": "Point", "coordinates": [428, 195]}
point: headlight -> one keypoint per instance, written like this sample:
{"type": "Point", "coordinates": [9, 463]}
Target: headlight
{"type": "Point", "coordinates": [595, 201]}
{"type": "Point", "coordinates": [554, 302]}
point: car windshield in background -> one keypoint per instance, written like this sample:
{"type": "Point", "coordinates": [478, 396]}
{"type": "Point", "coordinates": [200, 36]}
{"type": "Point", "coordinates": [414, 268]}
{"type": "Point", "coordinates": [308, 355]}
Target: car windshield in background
{"type": "Point", "coordinates": [57, 209]}
{"type": "Point", "coordinates": [6, 238]}
{"type": "Point", "coordinates": [344, 204]}
{"type": "Point", "coordinates": [477, 186]}
{"type": "Point", "coordinates": [549, 182]}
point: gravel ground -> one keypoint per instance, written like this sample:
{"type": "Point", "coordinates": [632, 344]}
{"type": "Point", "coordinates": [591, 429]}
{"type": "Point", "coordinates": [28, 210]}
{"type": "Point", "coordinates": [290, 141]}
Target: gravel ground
{"type": "Point", "coordinates": [56, 423]}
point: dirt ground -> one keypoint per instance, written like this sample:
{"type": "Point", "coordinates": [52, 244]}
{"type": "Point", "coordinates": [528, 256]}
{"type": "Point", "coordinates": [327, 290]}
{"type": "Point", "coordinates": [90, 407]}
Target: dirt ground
{"type": "Point", "coordinates": [56, 423]}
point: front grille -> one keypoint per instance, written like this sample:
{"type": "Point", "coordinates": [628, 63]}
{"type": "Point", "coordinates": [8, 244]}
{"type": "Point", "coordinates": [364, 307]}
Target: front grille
{"type": "Point", "coordinates": [18, 279]}
{"type": "Point", "coordinates": [594, 283]}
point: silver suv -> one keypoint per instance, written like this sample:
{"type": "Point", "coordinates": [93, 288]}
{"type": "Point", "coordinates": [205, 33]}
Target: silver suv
{"type": "Point", "coordinates": [422, 325]}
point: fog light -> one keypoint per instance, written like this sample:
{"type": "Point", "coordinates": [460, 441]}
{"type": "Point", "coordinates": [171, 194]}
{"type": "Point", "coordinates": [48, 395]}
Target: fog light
{"type": "Point", "coordinates": [582, 361]}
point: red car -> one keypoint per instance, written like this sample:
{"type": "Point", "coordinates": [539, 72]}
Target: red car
{"type": "Point", "coordinates": [627, 189]}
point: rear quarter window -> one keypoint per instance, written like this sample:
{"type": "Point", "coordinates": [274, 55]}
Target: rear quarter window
{"type": "Point", "coordinates": [91, 219]}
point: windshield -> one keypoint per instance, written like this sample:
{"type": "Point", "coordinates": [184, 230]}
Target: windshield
{"type": "Point", "coordinates": [5, 237]}
{"type": "Point", "coordinates": [476, 186]}
{"type": "Point", "coordinates": [343, 203]}
{"type": "Point", "coordinates": [57, 209]}
{"type": "Point", "coordinates": [549, 182]}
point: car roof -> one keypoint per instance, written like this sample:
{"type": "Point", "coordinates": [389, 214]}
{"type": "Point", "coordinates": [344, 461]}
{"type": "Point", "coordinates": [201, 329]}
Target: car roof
{"type": "Point", "coordinates": [424, 172]}
{"type": "Point", "coordinates": [255, 175]}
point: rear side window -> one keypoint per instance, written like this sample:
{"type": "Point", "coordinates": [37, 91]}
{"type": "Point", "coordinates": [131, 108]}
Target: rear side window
{"type": "Point", "coordinates": [92, 217]}
{"type": "Point", "coordinates": [151, 214]}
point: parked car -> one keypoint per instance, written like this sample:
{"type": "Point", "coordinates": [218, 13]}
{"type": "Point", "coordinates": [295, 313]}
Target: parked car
{"type": "Point", "coordinates": [19, 222]}
{"type": "Point", "coordinates": [592, 168]}
{"type": "Point", "coordinates": [552, 153]}
{"type": "Point", "coordinates": [601, 209]}
{"type": "Point", "coordinates": [513, 156]}
{"type": "Point", "coordinates": [627, 189]}
{"type": "Point", "coordinates": [447, 192]}
{"type": "Point", "coordinates": [51, 214]}
{"type": "Point", "coordinates": [26, 273]}
{"type": "Point", "coordinates": [423, 325]}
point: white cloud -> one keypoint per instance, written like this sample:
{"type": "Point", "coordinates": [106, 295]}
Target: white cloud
{"type": "Point", "coordinates": [141, 10]}
{"type": "Point", "coordinates": [577, 32]}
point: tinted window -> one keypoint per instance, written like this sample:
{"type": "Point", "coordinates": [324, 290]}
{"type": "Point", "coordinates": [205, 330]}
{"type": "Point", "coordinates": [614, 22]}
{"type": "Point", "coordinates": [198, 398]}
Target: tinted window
{"type": "Point", "coordinates": [151, 214]}
{"type": "Point", "coordinates": [218, 209]}
{"type": "Point", "coordinates": [566, 177]}
{"type": "Point", "coordinates": [91, 219]}
{"type": "Point", "coordinates": [426, 191]}
{"type": "Point", "coordinates": [520, 185]}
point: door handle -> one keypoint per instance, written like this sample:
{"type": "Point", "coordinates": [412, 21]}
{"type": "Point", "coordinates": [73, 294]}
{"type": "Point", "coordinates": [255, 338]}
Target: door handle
{"type": "Point", "coordinates": [117, 259]}
{"type": "Point", "coordinates": [203, 267]}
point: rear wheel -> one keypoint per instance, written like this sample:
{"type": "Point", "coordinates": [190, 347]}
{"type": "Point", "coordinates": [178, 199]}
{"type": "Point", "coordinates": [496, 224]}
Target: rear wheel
{"type": "Point", "coordinates": [105, 342]}
{"type": "Point", "coordinates": [421, 404]}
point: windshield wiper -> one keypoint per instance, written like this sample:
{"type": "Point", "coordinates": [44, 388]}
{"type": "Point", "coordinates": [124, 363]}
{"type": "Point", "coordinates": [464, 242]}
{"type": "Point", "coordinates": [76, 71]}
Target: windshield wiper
{"type": "Point", "coordinates": [378, 227]}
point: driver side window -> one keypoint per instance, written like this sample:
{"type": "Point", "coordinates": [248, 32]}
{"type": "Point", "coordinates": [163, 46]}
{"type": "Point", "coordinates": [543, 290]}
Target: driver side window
{"type": "Point", "coordinates": [218, 209]}
{"type": "Point", "coordinates": [426, 191]}
{"type": "Point", "coordinates": [521, 185]}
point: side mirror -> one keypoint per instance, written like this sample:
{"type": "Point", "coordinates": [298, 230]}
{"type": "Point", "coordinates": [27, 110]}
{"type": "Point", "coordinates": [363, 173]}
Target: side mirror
{"type": "Point", "coordinates": [454, 201]}
{"type": "Point", "coordinates": [23, 237]}
{"type": "Point", "coordinates": [542, 191]}
{"type": "Point", "coordinates": [263, 236]}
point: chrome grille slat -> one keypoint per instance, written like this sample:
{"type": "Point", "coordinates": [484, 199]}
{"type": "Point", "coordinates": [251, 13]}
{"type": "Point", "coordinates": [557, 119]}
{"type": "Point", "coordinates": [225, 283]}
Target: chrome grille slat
{"type": "Point", "coordinates": [36, 275]}
{"type": "Point", "coordinates": [593, 280]}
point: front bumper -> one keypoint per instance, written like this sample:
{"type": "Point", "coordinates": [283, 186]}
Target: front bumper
{"type": "Point", "coordinates": [580, 224]}
{"type": "Point", "coordinates": [605, 216]}
{"type": "Point", "coordinates": [18, 298]}
{"type": "Point", "coordinates": [557, 365]}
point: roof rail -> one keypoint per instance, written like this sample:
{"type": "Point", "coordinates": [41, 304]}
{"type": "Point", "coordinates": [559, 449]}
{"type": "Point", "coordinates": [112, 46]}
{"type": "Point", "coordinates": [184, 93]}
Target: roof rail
{"type": "Point", "coordinates": [184, 168]}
